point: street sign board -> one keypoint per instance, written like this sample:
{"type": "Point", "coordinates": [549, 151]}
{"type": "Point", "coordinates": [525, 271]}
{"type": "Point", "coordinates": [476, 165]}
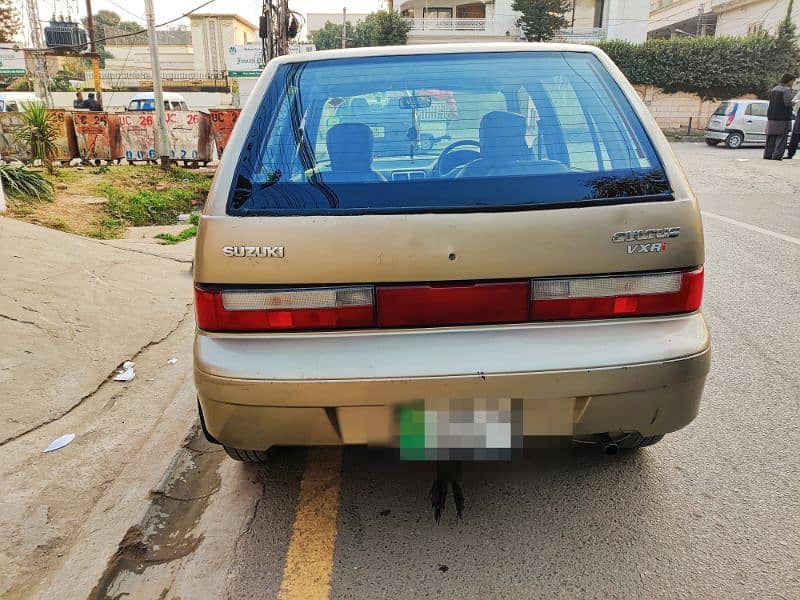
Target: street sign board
{"type": "Point", "coordinates": [12, 62]}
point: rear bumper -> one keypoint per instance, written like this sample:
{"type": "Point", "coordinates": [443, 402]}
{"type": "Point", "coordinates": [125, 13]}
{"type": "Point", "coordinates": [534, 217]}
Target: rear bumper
{"type": "Point", "coordinates": [716, 134]}
{"type": "Point", "coordinates": [578, 378]}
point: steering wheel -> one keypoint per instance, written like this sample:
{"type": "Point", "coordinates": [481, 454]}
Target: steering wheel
{"type": "Point", "coordinates": [446, 163]}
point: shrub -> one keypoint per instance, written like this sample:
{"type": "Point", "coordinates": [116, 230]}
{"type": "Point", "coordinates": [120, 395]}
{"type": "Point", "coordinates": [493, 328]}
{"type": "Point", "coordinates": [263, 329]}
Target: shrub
{"type": "Point", "coordinates": [39, 131]}
{"type": "Point", "coordinates": [712, 67]}
{"type": "Point", "coordinates": [20, 182]}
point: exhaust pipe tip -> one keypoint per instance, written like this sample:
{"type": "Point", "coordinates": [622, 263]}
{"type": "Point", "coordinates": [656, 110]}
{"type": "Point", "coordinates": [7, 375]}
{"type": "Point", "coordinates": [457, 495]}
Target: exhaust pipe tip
{"type": "Point", "coordinates": [610, 449]}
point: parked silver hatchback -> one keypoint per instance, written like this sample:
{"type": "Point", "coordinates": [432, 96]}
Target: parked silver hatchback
{"type": "Point", "coordinates": [738, 123]}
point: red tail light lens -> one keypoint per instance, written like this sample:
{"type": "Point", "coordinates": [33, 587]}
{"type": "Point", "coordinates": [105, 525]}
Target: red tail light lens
{"type": "Point", "coordinates": [285, 310]}
{"type": "Point", "coordinates": [618, 296]}
{"type": "Point", "coordinates": [731, 117]}
{"type": "Point", "coordinates": [453, 304]}
{"type": "Point", "coordinates": [365, 306]}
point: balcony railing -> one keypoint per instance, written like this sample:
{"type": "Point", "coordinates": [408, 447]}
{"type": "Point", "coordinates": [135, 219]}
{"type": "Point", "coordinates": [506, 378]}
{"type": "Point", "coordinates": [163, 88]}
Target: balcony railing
{"type": "Point", "coordinates": [576, 36]}
{"type": "Point", "coordinates": [446, 24]}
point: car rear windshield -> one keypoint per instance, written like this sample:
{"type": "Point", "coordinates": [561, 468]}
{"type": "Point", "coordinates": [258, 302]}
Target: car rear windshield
{"type": "Point", "coordinates": [443, 132]}
{"type": "Point", "coordinates": [725, 109]}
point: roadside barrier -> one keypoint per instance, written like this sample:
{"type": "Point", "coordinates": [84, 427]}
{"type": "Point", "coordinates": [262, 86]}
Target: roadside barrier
{"type": "Point", "coordinates": [10, 147]}
{"type": "Point", "coordinates": [222, 122]}
{"type": "Point", "coordinates": [97, 135]}
{"type": "Point", "coordinates": [101, 136]}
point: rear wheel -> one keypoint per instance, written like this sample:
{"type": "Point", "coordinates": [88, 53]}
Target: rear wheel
{"type": "Point", "coordinates": [259, 457]}
{"type": "Point", "coordinates": [734, 140]}
{"type": "Point", "coordinates": [711, 142]}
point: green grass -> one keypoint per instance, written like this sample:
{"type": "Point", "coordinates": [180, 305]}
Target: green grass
{"type": "Point", "coordinates": [153, 197]}
{"type": "Point", "coordinates": [107, 228]}
{"type": "Point", "coordinates": [186, 234]}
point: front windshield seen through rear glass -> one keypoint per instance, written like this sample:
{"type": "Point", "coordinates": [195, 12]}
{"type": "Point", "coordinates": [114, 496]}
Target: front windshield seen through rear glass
{"type": "Point", "coordinates": [443, 132]}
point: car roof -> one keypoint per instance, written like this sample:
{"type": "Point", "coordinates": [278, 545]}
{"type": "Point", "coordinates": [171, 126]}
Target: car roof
{"type": "Point", "coordinates": [420, 49]}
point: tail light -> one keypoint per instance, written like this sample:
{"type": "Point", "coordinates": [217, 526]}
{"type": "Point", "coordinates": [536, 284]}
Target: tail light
{"type": "Point", "coordinates": [618, 296]}
{"type": "Point", "coordinates": [285, 310]}
{"type": "Point", "coordinates": [731, 117]}
{"type": "Point", "coordinates": [355, 307]}
{"type": "Point", "coordinates": [453, 304]}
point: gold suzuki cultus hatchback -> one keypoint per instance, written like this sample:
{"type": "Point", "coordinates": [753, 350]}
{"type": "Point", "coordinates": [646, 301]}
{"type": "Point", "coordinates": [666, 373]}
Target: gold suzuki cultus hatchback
{"type": "Point", "coordinates": [449, 250]}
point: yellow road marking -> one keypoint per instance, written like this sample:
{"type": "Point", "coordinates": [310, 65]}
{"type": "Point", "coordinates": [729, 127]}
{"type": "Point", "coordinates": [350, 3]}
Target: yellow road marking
{"type": "Point", "coordinates": [309, 560]}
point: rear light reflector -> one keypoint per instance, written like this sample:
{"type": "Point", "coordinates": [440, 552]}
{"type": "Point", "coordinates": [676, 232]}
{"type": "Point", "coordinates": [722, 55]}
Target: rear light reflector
{"type": "Point", "coordinates": [453, 304]}
{"type": "Point", "coordinates": [285, 310]}
{"type": "Point", "coordinates": [616, 296]}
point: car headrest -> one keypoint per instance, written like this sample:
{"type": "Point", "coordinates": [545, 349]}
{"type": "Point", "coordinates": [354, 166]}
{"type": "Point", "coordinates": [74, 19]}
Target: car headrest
{"type": "Point", "coordinates": [502, 135]}
{"type": "Point", "coordinates": [350, 147]}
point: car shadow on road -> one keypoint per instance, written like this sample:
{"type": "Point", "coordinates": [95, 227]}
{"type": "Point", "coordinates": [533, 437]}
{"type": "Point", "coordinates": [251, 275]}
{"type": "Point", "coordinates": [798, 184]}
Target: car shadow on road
{"type": "Point", "coordinates": [555, 513]}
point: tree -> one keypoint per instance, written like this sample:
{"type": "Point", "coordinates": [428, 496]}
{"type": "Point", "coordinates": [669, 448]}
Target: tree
{"type": "Point", "coordinates": [330, 36]}
{"type": "Point", "coordinates": [9, 21]}
{"type": "Point", "coordinates": [382, 28]}
{"type": "Point", "coordinates": [786, 44]}
{"type": "Point", "coordinates": [541, 19]}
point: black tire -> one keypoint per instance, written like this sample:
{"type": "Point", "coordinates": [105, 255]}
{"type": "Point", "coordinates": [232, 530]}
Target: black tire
{"type": "Point", "coordinates": [635, 441]}
{"type": "Point", "coordinates": [712, 142]}
{"type": "Point", "coordinates": [259, 457]}
{"type": "Point", "coordinates": [734, 140]}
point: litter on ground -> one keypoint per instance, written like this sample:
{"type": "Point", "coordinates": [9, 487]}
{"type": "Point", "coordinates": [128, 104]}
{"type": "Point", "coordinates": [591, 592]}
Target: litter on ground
{"type": "Point", "coordinates": [126, 373]}
{"type": "Point", "coordinates": [59, 443]}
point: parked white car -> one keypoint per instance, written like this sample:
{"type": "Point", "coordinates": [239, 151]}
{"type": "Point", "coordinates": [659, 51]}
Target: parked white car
{"type": "Point", "coordinates": [738, 123]}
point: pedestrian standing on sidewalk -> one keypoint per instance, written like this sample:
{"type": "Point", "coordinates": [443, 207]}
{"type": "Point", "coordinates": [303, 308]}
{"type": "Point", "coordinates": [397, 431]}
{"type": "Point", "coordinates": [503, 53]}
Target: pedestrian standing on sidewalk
{"type": "Point", "coordinates": [791, 150]}
{"type": "Point", "coordinates": [779, 117]}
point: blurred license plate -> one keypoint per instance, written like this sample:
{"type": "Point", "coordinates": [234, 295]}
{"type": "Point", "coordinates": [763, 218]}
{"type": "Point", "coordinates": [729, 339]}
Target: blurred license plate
{"type": "Point", "coordinates": [475, 429]}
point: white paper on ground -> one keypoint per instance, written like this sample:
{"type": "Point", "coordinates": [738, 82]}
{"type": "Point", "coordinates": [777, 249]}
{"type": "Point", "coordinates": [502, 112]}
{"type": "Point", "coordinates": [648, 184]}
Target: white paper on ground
{"type": "Point", "coordinates": [172, 360]}
{"type": "Point", "coordinates": [59, 443]}
{"type": "Point", "coordinates": [126, 373]}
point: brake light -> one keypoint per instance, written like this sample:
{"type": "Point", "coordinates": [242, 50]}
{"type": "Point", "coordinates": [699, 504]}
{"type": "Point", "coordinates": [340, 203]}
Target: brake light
{"type": "Point", "coordinates": [731, 117]}
{"type": "Point", "coordinates": [285, 310]}
{"type": "Point", "coordinates": [616, 296]}
{"type": "Point", "coordinates": [453, 304]}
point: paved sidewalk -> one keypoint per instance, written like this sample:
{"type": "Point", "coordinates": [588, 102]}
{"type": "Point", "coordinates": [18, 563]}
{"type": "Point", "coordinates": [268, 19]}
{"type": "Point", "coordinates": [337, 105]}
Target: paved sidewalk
{"type": "Point", "coordinates": [71, 310]}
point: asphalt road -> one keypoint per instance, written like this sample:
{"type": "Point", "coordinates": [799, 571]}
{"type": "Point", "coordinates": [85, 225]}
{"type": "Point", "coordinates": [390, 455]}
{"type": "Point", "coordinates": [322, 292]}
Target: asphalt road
{"type": "Point", "coordinates": [712, 511]}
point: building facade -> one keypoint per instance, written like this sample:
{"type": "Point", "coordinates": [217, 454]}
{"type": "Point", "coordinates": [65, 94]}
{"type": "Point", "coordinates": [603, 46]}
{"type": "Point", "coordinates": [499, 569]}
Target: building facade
{"type": "Point", "coordinates": [213, 34]}
{"type": "Point", "coordinates": [442, 21]}
{"type": "Point", "coordinates": [671, 18]}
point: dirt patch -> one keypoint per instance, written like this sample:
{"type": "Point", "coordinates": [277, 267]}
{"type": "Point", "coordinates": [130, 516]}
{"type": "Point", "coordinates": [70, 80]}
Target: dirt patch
{"type": "Point", "coordinates": [101, 202]}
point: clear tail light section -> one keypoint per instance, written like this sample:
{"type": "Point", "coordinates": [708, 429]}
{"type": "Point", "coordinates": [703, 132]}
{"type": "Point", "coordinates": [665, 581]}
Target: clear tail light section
{"type": "Point", "coordinates": [616, 296]}
{"type": "Point", "coordinates": [285, 309]}
{"type": "Point", "coordinates": [447, 304]}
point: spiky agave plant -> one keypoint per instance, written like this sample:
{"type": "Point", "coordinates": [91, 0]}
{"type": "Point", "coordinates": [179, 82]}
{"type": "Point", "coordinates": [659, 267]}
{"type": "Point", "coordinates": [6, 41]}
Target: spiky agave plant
{"type": "Point", "coordinates": [39, 131]}
{"type": "Point", "coordinates": [20, 182]}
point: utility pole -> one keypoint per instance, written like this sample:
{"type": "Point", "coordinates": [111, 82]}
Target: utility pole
{"type": "Point", "coordinates": [98, 87]}
{"type": "Point", "coordinates": [344, 27]}
{"type": "Point", "coordinates": [162, 137]}
{"type": "Point", "coordinates": [40, 74]}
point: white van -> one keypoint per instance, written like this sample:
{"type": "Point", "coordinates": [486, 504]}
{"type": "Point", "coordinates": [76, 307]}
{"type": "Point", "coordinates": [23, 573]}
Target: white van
{"type": "Point", "coordinates": [146, 102]}
{"type": "Point", "coordinates": [13, 101]}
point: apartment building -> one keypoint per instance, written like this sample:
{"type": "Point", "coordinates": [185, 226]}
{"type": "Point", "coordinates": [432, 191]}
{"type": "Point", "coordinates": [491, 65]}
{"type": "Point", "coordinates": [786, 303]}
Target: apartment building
{"type": "Point", "coordinates": [440, 21]}
{"type": "Point", "coordinates": [671, 18]}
